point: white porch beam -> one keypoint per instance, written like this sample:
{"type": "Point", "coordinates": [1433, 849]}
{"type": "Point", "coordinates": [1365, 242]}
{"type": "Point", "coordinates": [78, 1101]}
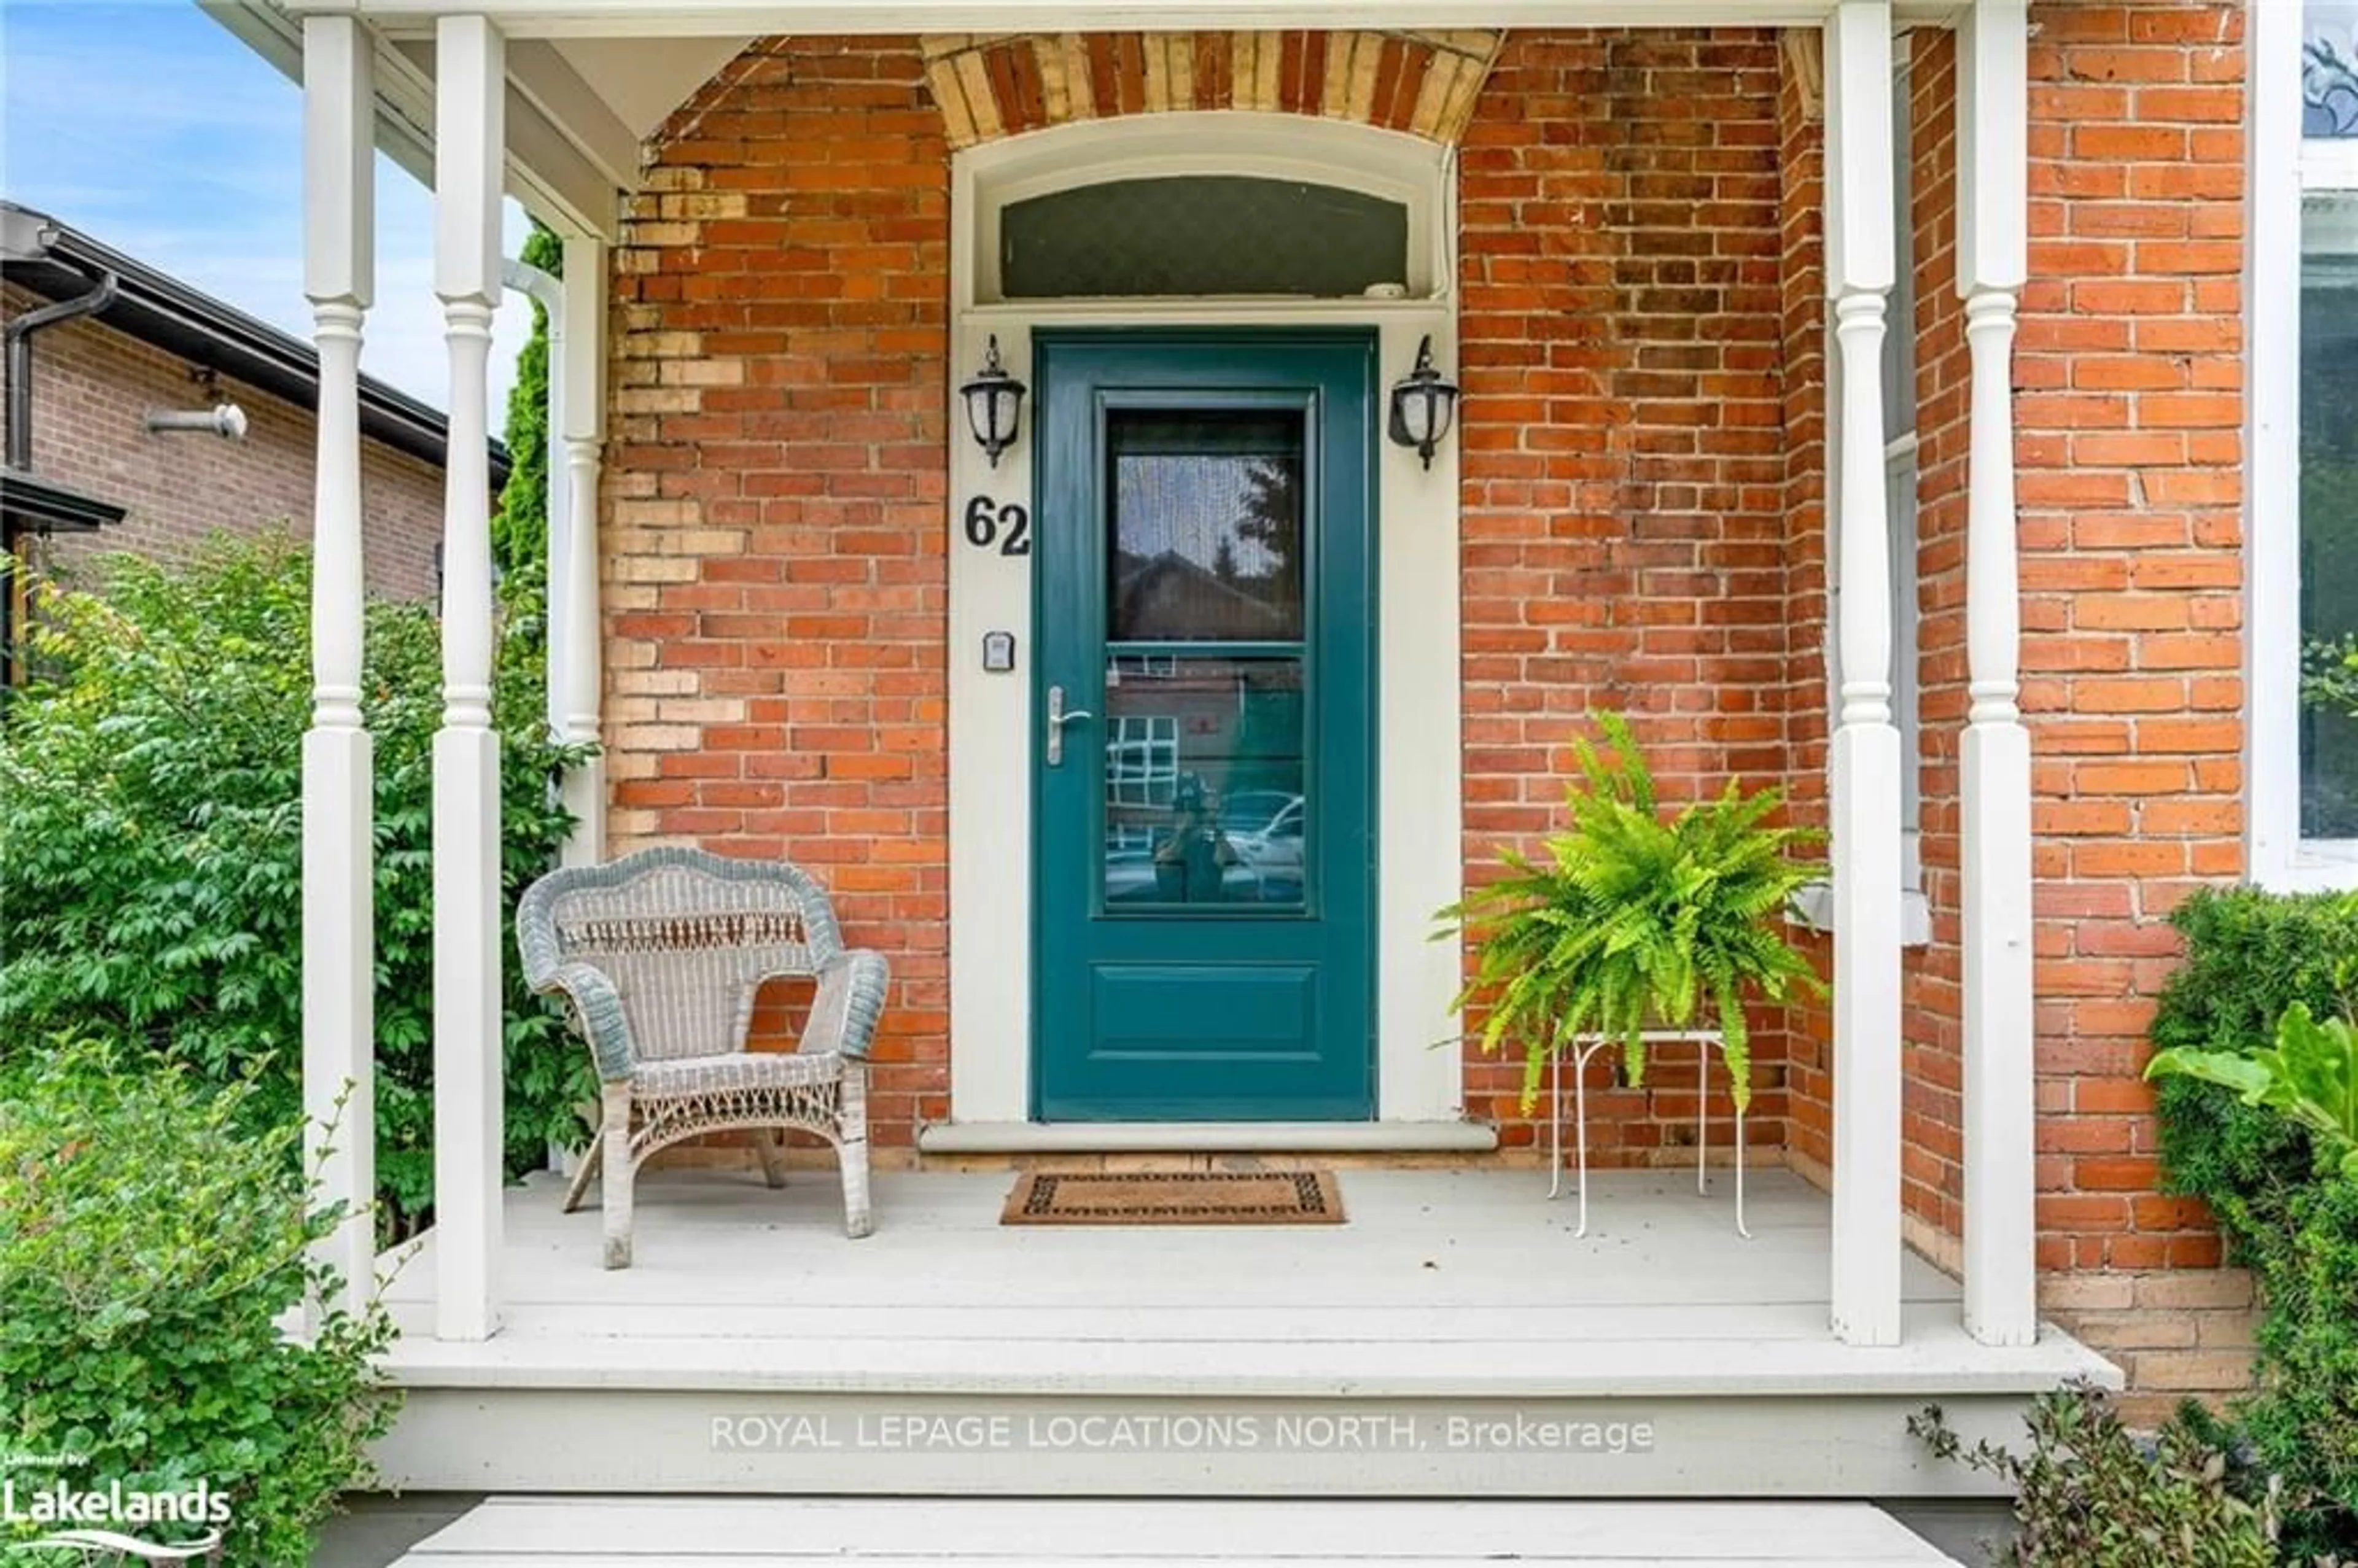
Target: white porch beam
{"type": "Point", "coordinates": [546, 167]}
{"type": "Point", "coordinates": [2001, 1241]}
{"type": "Point", "coordinates": [557, 92]}
{"type": "Point", "coordinates": [338, 759]}
{"type": "Point", "coordinates": [561, 158]}
{"type": "Point", "coordinates": [623, 18]}
{"type": "Point", "coordinates": [579, 642]}
{"type": "Point", "coordinates": [1866, 784]}
{"type": "Point", "coordinates": [468, 1109]}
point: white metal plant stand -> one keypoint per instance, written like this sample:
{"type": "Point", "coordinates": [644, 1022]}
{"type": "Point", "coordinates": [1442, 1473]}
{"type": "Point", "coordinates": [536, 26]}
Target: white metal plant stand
{"type": "Point", "coordinates": [1706, 1042]}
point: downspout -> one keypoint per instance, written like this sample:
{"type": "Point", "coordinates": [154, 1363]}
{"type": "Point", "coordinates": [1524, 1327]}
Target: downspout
{"type": "Point", "coordinates": [19, 335]}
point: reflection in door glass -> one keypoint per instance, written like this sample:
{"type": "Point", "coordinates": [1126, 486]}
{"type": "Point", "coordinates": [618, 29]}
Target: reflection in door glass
{"type": "Point", "coordinates": [1207, 526]}
{"type": "Point", "coordinates": [1202, 782]}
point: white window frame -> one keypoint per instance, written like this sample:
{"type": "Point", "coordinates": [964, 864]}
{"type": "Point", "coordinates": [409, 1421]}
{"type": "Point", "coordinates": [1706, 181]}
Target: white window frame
{"type": "Point", "coordinates": [2285, 168]}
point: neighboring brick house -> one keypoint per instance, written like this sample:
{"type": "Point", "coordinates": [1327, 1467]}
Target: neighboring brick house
{"type": "Point", "coordinates": [162, 347]}
{"type": "Point", "coordinates": [2002, 291]}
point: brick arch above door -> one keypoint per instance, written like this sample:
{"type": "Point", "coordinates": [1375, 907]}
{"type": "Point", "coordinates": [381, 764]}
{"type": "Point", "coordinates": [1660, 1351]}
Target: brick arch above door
{"type": "Point", "coordinates": [993, 86]}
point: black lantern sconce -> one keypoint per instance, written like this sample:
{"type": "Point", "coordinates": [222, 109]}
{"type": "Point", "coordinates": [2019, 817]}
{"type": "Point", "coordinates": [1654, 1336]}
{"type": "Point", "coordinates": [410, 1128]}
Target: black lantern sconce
{"type": "Point", "coordinates": [1424, 403]}
{"type": "Point", "coordinates": [994, 406]}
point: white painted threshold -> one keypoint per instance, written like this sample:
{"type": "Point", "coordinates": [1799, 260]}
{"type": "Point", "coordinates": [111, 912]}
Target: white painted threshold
{"type": "Point", "coordinates": [1205, 1136]}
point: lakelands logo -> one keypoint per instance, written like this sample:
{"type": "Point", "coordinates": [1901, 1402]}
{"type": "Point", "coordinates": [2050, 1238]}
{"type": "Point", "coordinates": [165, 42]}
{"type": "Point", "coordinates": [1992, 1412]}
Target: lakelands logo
{"type": "Point", "coordinates": [97, 1522]}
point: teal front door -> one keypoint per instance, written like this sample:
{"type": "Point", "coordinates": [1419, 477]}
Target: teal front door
{"type": "Point", "coordinates": [1204, 842]}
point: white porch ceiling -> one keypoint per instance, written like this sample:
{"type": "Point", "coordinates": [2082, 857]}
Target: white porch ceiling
{"type": "Point", "coordinates": [642, 80]}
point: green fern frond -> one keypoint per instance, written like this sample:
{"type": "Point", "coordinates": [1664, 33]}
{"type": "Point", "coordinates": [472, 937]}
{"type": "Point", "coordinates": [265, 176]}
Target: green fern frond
{"type": "Point", "coordinates": [1630, 919]}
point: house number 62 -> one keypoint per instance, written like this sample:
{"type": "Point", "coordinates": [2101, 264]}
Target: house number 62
{"type": "Point", "coordinates": [1008, 527]}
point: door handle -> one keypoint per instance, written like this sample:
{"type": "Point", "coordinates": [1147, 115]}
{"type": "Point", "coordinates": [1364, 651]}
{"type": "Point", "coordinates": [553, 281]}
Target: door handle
{"type": "Point", "coordinates": [1057, 719]}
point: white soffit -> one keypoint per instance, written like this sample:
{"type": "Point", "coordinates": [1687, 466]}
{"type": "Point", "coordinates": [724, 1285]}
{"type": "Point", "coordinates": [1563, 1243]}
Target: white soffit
{"type": "Point", "coordinates": [644, 80]}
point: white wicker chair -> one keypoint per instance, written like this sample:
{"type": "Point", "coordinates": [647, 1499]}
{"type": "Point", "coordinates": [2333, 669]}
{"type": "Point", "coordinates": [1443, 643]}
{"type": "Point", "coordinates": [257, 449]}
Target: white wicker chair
{"type": "Point", "coordinates": [660, 954]}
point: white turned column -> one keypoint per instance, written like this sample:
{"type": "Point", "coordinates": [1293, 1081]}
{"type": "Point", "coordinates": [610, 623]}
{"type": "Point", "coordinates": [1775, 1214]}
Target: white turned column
{"type": "Point", "coordinates": [470, 136]}
{"type": "Point", "coordinates": [561, 508]}
{"type": "Point", "coordinates": [548, 293]}
{"type": "Point", "coordinates": [2001, 1240]}
{"type": "Point", "coordinates": [578, 640]}
{"type": "Point", "coordinates": [1867, 785]}
{"type": "Point", "coordinates": [339, 762]}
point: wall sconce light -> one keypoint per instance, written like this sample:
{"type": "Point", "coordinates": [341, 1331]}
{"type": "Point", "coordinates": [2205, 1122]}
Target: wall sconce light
{"type": "Point", "coordinates": [994, 406]}
{"type": "Point", "coordinates": [1424, 403]}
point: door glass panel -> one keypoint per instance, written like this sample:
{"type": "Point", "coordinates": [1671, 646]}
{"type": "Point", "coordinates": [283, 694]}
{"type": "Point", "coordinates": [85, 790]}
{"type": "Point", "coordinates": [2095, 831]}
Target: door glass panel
{"type": "Point", "coordinates": [1203, 800]}
{"type": "Point", "coordinates": [1206, 541]}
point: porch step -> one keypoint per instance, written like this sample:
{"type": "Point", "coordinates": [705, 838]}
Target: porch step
{"type": "Point", "coordinates": [631, 1532]}
{"type": "Point", "coordinates": [1454, 1339]}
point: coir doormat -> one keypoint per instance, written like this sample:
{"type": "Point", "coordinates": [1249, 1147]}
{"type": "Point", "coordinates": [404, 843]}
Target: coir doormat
{"type": "Point", "coordinates": [1175, 1197]}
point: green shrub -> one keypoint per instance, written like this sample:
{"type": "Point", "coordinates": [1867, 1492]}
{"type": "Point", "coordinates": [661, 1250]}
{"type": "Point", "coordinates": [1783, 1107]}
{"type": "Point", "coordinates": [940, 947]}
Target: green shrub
{"type": "Point", "coordinates": [2309, 1076]}
{"type": "Point", "coordinates": [149, 1246]}
{"type": "Point", "coordinates": [2251, 958]}
{"type": "Point", "coordinates": [2089, 1495]}
{"type": "Point", "coordinates": [151, 841]}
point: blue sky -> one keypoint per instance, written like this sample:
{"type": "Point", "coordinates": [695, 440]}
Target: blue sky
{"type": "Point", "coordinates": [147, 125]}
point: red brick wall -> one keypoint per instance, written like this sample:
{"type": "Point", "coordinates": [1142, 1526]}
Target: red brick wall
{"type": "Point", "coordinates": [2130, 377]}
{"type": "Point", "coordinates": [2128, 383]}
{"type": "Point", "coordinates": [1800, 155]}
{"type": "Point", "coordinates": [1932, 1108]}
{"type": "Point", "coordinates": [1623, 457]}
{"type": "Point", "coordinates": [776, 580]}
{"type": "Point", "coordinates": [92, 387]}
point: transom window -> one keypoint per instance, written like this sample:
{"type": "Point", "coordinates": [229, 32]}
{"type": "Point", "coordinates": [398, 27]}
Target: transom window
{"type": "Point", "coordinates": [1201, 234]}
{"type": "Point", "coordinates": [1206, 205]}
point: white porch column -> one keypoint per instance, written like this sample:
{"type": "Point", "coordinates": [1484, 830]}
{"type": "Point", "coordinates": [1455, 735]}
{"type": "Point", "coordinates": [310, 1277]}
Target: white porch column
{"type": "Point", "coordinates": [548, 293]}
{"type": "Point", "coordinates": [577, 637]}
{"type": "Point", "coordinates": [1866, 784]}
{"type": "Point", "coordinates": [2000, 1261]}
{"type": "Point", "coordinates": [468, 135]}
{"type": "Point", "coordinates": [339, 762]}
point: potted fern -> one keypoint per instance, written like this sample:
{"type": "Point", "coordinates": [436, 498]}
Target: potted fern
{"type": "Point", "coordinates": [1631, 922]}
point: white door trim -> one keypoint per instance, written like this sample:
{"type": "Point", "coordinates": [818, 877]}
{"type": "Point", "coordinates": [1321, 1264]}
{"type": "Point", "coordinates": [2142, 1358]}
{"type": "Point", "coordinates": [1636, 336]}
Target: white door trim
{"type": "Point", "coordinates": [991, 727]}
{"type": "Point", "coordinates": [991, 723]}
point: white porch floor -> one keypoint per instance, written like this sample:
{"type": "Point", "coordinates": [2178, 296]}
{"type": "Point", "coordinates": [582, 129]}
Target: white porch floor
{"type": "Point", "coordinates": [1449, 1294]}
